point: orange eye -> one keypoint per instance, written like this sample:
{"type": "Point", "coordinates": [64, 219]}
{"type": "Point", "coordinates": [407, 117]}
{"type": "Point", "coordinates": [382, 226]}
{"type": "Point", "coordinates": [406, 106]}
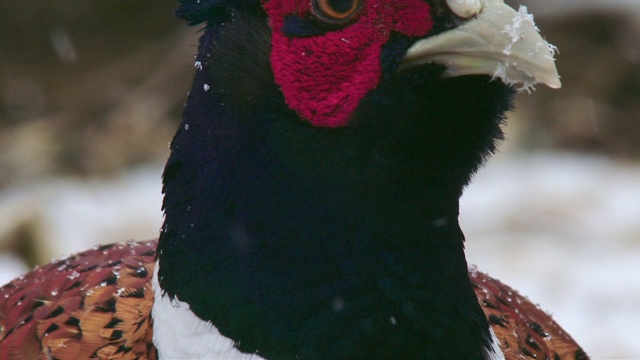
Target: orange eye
{"type": "Point", "coordinates": [336, 11]}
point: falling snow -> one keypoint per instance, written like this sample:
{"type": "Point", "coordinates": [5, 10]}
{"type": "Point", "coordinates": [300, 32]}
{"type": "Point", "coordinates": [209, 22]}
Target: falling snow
{"type": "Point", "coordinates": [74, 275]}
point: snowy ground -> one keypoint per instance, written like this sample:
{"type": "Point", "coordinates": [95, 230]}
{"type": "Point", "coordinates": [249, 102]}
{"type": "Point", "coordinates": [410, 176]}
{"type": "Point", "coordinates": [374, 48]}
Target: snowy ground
{"type": "Point", "coordinates": [67, 216]}
{"type": "Point", "coordinates": [565, 231]}
{"type": "Point", "coordinates": [562, 229]}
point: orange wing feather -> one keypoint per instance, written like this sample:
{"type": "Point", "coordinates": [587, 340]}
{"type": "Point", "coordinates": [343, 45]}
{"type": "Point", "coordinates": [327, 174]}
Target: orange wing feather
{"type": "Point", "coordinates": [97, 304]}
{"type": "Point", "coordinates": [522, 328]}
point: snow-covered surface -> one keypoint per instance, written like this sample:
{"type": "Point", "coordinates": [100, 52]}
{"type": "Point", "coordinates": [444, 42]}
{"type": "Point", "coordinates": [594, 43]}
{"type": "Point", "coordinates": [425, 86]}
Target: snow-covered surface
{"type": "Point", "coordinates": [71, 215]}
{"type": "Point", "coordinates": [10, 267]}
{"type": "Point", "coordinates": [562, 229]}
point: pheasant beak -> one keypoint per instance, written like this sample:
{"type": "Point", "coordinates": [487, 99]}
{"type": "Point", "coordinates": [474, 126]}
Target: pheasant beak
{"type": "Point", "coordinates": [496, 41]}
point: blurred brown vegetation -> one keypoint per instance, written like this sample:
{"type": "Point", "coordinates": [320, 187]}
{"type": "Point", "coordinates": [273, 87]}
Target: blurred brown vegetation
{"type": "Point", "coordinates": [91, 87]}
{"type": "Point", "coordinates": [598, 108]}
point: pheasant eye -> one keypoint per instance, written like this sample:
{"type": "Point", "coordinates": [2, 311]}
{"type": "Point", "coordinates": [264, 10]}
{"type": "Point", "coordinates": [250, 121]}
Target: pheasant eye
{"type": "Point", "coordinates": [336, 12]}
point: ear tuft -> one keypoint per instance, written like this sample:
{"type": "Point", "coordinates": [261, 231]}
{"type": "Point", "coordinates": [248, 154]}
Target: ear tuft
{"type": "Point", "coordinates": [199, 11]}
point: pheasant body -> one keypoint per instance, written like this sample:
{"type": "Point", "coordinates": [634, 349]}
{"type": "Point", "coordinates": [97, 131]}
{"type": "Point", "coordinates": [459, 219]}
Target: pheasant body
{"type": "Point", "coordinates": [117, 284]}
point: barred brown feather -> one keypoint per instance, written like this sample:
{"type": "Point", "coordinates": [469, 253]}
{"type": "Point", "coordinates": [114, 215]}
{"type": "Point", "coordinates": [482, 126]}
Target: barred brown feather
{"type": "Point", "coordinates": [523, 330]}
{"type": "Point", "coordinates": [96, 304]}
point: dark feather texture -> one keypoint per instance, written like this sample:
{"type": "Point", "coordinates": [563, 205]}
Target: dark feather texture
{"type": "Point", "coordinates": [211, 11]}
{"type": "Point", "coordinates": [239, 64]}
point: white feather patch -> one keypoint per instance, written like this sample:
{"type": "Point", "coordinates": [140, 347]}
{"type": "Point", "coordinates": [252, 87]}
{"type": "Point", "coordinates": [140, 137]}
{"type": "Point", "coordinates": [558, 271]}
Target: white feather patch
{"type": "Point", "coordinates": [494, 353]}
{"type": "Point", "coordinates": [179, 334]}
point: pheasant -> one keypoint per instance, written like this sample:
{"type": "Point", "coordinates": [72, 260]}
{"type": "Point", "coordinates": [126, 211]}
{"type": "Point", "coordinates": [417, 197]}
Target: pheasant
{"type": "Point", "coordinates": [311, 197]}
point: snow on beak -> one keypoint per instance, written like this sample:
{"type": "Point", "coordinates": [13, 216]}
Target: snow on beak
{"type": "Point", "coordinates": [496, 40]}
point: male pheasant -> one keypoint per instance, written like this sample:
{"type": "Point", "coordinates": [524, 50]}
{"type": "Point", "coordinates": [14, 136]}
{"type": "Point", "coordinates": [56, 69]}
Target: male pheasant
{"type": "Point", "coordinates": [311, 197]}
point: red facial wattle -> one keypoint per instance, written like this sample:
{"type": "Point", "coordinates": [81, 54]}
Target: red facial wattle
{"type": "Point", "coordinates": [324, 77]}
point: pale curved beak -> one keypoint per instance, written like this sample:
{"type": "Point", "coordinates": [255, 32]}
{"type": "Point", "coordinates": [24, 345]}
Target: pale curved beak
{"type": "Point", "coordinates": [497, 41]}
